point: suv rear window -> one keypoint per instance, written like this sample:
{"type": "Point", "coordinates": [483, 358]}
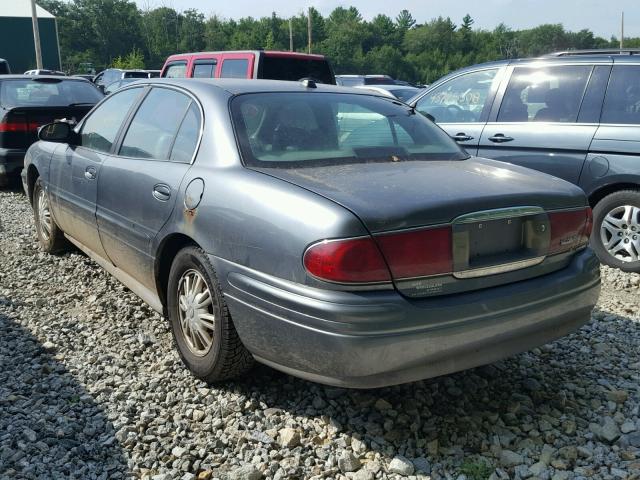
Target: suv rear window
{"type": "Point", "coordinates": [291, 68]}
{"type": "Point", "coordinates": [298, 129]}
{"type": "Point", "coordinates": [56, 93]}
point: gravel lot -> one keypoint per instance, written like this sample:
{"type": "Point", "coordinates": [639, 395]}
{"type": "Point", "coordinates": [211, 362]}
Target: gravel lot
{"type": "Point", "coordinates": [91, 387]}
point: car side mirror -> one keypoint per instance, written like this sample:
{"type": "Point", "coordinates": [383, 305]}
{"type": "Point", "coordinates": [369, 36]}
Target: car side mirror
{"type": "Point", "coordinates": [429, 116]}
{"type": "Point", "coordinates": [58, 132]}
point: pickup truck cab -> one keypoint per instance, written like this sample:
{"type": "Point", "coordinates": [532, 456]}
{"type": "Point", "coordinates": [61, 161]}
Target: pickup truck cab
{"type": "Point", "coordinates": [272, 65]}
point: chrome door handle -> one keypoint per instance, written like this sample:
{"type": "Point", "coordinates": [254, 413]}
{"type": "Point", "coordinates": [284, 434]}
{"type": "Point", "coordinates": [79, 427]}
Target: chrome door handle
{"type": "Point", "coordinates": [500, 138]}
{"type": "Point", "coordinates": [162, 192]}
{"type": "Point", "coordinates": [461, 137]}
{"type": "Point", "coordinates": [90, 173]}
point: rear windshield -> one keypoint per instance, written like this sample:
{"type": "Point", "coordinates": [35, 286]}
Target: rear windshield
{"type": "Point", "coordinates": [405, 94]}
{"type": "Point", "coordinates": [290, 129]}
{"type": "Point", "coordinates": [379, 81]}
{"type": "Point", "coordinates": [291, 68]}
{"type": "Point", "coordinates": [28, 93]}
{"type": "Point", "coordinates": [136, 75]}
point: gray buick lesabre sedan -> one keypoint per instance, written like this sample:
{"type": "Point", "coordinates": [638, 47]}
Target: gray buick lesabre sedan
{"type": "Point", "coordinates": [329, 233]}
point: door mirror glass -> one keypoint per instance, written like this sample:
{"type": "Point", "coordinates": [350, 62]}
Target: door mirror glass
{"type": "Point", "coordinates": [59, 132]}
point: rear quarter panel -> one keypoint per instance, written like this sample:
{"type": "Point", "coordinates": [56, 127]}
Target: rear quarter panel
{"type": "Point", "coordinates": [614, 158]}
{"type": "Point", "coordinates": [247, 217]}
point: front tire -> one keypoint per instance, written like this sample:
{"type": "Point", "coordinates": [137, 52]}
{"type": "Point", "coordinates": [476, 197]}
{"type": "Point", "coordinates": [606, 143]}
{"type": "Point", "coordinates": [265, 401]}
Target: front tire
{"type": "Point", "coordinates": [200, 322]}
{"type": "Point", "coordinates": [50, 237]}
{"type": "Point", "coordinates": [616, 232]}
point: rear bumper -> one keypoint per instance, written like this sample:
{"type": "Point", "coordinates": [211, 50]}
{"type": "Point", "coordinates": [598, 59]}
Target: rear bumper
{"type": "Point", "coordinates": [11, 163]}
{"type": "Point", "coordinates": [374, 339]}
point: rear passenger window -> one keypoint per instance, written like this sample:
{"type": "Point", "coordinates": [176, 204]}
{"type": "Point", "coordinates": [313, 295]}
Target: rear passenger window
{"type": "Point", "coordinates": [235, 68]}
{"type": "Point", "coordinates": [187, 138]}
{"type": "Point", "coordinates": [204, 70]}
{"type": "Point", "coordinates": [176, 70]}
{"type": "Point", "coordinates": [155, 124]}
{"type": "Point", "coordinates": [100, 129]}
{"type": "Point", "coordinates": [548, 94]}
{"type": "Point", "coordinates": [622, 102]}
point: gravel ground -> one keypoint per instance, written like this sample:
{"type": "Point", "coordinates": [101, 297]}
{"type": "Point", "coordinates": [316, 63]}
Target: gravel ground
{"type": "Point", "coordinates": [91, 387]}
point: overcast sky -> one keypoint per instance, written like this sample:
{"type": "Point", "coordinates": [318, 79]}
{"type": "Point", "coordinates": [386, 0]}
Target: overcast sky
{"type": "Point", "coordinates": [600, 16]}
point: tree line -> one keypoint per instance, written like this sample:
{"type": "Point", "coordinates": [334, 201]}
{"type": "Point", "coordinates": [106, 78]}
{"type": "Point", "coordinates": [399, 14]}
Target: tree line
{"type": "Point", "coordinates": [118, 33]}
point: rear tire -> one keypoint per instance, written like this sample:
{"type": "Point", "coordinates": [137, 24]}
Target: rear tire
{"type": "Point", "coordinates": [200, 322]}
{"type": "Point", "coordinates": [616, 230]}
{"type": "Point", "coordinates": [50, 237]}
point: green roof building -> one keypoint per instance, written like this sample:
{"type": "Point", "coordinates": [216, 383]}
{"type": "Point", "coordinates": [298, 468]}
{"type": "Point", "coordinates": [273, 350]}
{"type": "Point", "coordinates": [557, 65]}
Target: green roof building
{"type": "Point", "coordinates": [16, 36]}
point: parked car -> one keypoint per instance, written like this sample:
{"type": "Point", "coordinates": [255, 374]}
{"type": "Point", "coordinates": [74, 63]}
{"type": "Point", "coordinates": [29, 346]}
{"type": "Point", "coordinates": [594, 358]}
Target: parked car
{"type": "Point", "coordinates": [110, 75]}
{"type": "Point", "coordinates": [109, 89]}
{"type": "Point", "coordinates": [354, 80]}
{"type": "Point", "coordinates": [28, 102]}
{"type": "Point", "coordinates": [249, 64]}
{"type": "Point", "coordinates": [359, 254]}
{"type": "Point", "coordinates": [86, 76]}
{"type": "Point", "coordinates": [574, 115]}
{"type": "Point", "coordinates": [4, 67]}
{"type": "Point", "coordinates": [400, 92]}
{"type": "Point", "coordinates": [44, 72]}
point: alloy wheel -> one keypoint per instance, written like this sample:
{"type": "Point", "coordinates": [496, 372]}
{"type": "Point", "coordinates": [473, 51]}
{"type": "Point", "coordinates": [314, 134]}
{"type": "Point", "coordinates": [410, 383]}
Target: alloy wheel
{"type": "Point", "coordinates": [196, 312]}
{"type": "Point", "coordinates": [44, 215]}
{"type": "Point", "coordinates": [620, 233]}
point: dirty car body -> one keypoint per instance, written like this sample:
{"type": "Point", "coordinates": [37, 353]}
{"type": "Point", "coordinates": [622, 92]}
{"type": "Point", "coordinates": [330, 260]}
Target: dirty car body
{"type": "Point", "coordinates": [354, 242]}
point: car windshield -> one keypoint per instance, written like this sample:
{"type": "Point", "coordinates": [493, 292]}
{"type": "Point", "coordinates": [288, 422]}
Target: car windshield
{"type": "Point", "coordinates": [286, 129]}
{"type": "Point", "coordinates": [51, 93]}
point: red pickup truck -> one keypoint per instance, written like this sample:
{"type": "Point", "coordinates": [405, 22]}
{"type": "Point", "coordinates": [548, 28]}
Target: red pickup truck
{"type": "Point", "coordinates": [266, 64]}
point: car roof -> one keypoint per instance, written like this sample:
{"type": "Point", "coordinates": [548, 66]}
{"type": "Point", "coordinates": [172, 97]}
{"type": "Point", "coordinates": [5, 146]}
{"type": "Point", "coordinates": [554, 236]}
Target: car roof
{"type": "Point", "coordinates": [35, 78]}
{"type": "Point", "coordinates": [236, 86]}
{"type": "Point", "coordinates": [275, 53]}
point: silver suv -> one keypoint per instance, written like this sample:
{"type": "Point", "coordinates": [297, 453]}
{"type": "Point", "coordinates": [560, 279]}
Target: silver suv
{"type": "Point", "coordinates": [575, 115]}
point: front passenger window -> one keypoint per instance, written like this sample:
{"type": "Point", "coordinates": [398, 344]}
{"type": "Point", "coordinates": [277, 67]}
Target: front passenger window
{"type": "Point", "coordinates": [100, 129]}
{"type": "Point", "coordinates": [460, 100]}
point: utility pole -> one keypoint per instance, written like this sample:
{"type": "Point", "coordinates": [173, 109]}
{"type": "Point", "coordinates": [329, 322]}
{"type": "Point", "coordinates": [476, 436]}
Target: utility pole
{"type": "Point", "coordinates": [36, 35]}
{"type": "Point", "coordinates": [309, 28]}
{"type": "Point", "coordinates": [290, 36]}
{"type": "Point", "coordinates": [622, 32]}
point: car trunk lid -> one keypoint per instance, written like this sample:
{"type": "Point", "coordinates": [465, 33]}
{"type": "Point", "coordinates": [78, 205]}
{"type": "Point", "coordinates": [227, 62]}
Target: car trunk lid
{"type": "Point", "coordinates": [498, 221]}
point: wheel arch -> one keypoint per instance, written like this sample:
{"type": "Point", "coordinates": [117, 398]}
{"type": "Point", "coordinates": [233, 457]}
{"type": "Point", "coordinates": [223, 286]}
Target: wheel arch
{"type": "Point", "coordinates": [32, 175]}
{"type": "Point", "coordinates": [166, 252]}
{"type": "Point", "coordinates": [605, 190]}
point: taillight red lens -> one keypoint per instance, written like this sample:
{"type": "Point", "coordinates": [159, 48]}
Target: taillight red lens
{"type": "Point", "coordinates": [418, 253]}
{"type": "Point", "coordinates": [569, 230]}
{"type": "Point", "coordinates": [355, 260]}
{"type": "Point", "coordinates": [18, 126]}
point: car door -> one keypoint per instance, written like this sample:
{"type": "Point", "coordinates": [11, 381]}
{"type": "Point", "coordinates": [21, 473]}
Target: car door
{"type": "Point", "coordinates": [75, 169]}
{"type": "Point", "coordinates": [536, 122]}
{"type": "Point", "coordinates": [461, 104]}
{"type": "Point", "coordinates": [138, 186]}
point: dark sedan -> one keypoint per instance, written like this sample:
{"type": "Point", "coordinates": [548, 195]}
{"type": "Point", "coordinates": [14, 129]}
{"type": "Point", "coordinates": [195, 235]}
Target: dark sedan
{"type": "Point", "coordinates": [330, 233]}
{"type": "Point", "coordinates": [26, 103]}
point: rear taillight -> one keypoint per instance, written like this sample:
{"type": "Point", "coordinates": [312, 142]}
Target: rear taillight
{"type": "Point", "coordinates": [569, 230]}
{"type": "Point", "coordinates": [18, 126]}
{"type": "Point", "coordinates": [353, 260]}
{"type": "Point", "coordinates": [418, 253]}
